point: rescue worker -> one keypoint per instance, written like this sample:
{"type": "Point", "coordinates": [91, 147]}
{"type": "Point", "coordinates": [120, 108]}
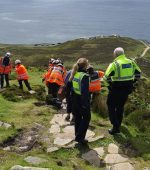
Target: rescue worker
{"type": "Point", "coordinates": [52, 63]}
{"type": "Point", "coordinates": [95, 81]}
{"type": "Point", "coordinates": [80, 99]}
{"type": "Point", "coordinates": [22, 75]}
{"type": "Point", "coordinates": [5, 69]}
{"type": "Point", "coordinates": [120, 76]}
{"type": "Point", "coordinates": [56, 79]}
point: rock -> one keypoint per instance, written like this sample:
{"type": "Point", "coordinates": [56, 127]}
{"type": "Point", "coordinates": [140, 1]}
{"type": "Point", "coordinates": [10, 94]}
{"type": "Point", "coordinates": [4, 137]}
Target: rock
{"type": "Point", "coordinates": [7, 148]}
{"type": "Point", "coordinates": [6, 125]}
{"type": "Point", "coordinates": [72, 145]}
{"type": "Point", "coordinates": [59, 119]}
{"type": "Point", "coordinates": [38, 126]}
{"type": "Point", "coordinates": [100, 151]}
{"type": "Point", "coordinates": [52, 149]}
{"type": "Point", "coordinates": [69, 129]}
{"type": "Point", "coordinates": [23, 148]}
{"type": "Point", "coordinates": [89, 134]}
{"type": "Point", "coordinates": [146, 168]}
{"type": "Point", "coordinates": [18, 167]}
{"type": "Point", "coordinates": [32, 92]}
{"type": "Point", "coordinates": [122, 166]}
{"type": "Point", "coordinates": [34, 160]}
{"type": "Point", "coordinates": [1, 123]}
{"type": "Point", "coordinates": [60, 141]}
{"type": "Point", "coordinates": [54, 129]}
{"type": "Point", "coordinates": [92, 157]}
{"type": "Point", "coordinates": [115, 158]}
{"type": "Point", "coordinates": [29, 138]}
{"type": "Point", "coordinates": [112, 148]}
{"type": "Point", "coordinates": [91, 139]}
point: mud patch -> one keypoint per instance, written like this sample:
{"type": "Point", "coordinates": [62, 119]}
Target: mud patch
{"type": "Point", "coordinates": [25, 140]}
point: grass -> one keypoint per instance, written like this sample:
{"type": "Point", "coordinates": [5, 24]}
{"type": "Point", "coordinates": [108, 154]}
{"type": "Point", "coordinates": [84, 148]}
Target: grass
{"type": "Point", "coordinates": [21, 113]}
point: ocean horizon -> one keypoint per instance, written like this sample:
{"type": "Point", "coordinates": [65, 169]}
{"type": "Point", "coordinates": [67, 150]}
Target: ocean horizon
{"type": "Point", "coordinates": [57, 21]}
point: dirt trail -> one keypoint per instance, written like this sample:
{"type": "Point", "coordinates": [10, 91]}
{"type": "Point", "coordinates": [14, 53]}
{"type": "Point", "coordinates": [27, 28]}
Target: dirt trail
{"type": "Point", "coordinates": [147, 45]}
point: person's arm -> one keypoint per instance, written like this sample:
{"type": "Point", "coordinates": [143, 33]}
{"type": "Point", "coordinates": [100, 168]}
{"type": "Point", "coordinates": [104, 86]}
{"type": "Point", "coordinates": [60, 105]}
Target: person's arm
{"type": "Point", "coordinates": [110, 71]}
{"type": "Point", "coordinates": [85, 95]}
{"type": "Point", "coordinates": [137, 71]}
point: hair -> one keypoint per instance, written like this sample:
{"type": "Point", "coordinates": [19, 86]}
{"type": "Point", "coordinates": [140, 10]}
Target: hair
{"type": "Point", "coordinates": [81, 63]}
{"type": "Point", "coordinates": [118, 51]}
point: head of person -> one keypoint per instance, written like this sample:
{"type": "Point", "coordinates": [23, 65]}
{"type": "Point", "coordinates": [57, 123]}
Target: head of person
{"type": "Point", "coordinates": [81, 65]}
{"type": "Point", "coordinates": [8, 54]}
{"type": "Point", "coordinates": [17, 62]}
{"type": "Point", "coordinates": [51, 60]}
{"type": "Point", "coordinates": [90, 69]}
{"type": "Point", "coordinates": [118, 51]}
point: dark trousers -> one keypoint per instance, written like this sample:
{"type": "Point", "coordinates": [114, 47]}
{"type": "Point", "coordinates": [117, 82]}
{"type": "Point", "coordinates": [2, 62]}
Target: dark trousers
{"type": "Point", "coordinates": [53, 89]}
{"type": "Point", "coordinates": [25, 82]}
{"type": "Point", "coordinates": [69, 103]}
{"type": "Point", "coordinates": [116, 100]}
{"type": "Point", "coordinates": [82, 118]}
{"type": "Point", "coordinates": [6, 77]}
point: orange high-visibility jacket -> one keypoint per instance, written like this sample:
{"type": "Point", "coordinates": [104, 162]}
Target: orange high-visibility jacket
{"type": "Point", "coordinates": [21, 72]}
{"type": "Point", "coordinates": [46, 76]}
{"type": "Point", "coordinates": [5, 69]}
{"type": "Point", "coordinates": [57, 75]}
{"type": "Point", "coordinates": [95, 81]}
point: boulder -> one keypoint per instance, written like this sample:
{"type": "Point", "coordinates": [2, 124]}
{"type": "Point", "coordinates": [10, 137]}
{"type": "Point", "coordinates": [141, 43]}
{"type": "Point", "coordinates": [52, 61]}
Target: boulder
{"type": "Point", "coordinates": [112, 148]}
{"type": "Point", "coordinates": [92, 157]}
{"type": "Point", "coordinates": [115, 158]}
{"type": "Point", "coordinates": [122, 166]}
{"type": "Point", "coordinates": [34, 160]}
{"type": "Point", "coordinates": [52, 149]}
{"type": "Point", "coordinates": [18, 167]}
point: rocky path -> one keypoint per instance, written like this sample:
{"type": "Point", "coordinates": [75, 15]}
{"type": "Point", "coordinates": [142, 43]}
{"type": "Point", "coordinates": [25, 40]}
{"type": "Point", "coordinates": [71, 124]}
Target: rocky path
{"type": "Point", "coordinates": [61, 135]}
{"type": "Point", "coordinates": [147, 45]}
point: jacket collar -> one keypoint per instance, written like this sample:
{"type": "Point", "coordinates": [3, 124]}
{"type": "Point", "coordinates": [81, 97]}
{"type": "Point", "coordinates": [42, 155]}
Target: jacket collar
{"type": "Point", "coordinates": [120, 57]}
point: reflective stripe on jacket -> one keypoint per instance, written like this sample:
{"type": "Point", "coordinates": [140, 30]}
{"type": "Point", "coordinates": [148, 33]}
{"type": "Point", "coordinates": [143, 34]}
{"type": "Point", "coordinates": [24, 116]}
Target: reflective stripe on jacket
{"type": "Point", "coordinates": [21, 72]}
{"type": "Point", "coordinates": [3, 68]}
{"type": "Point", "coordinates": [77, 82]}
{"type": "Point", "coordinates": [57, 75]}
{"type": "Point", "coordinates": [95, 81]}
{"type": "Point", "coordinates": [123, 68]}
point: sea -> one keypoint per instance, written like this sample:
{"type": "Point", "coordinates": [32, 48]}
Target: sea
{"type": "Point", "coordinates": [56, 21]}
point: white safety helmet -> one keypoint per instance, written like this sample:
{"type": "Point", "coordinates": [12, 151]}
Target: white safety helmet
{"type": "Point", "coordinates": [17, 62]}
{"type": "Point", "coordinates": [118, 51]}
{"type": "Point", "coordinates": [8, 54]}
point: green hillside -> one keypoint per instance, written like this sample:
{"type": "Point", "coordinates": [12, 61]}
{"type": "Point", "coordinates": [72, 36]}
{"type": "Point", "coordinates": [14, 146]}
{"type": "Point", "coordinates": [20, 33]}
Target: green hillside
{"type": "Point", "coordinates": [97, 50]}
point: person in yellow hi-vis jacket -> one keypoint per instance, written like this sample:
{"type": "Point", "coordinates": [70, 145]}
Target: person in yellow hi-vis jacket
{"type": "Point", "coordinates": [120, 76]}
{"type": "Point", "coordinates": [80, 99]}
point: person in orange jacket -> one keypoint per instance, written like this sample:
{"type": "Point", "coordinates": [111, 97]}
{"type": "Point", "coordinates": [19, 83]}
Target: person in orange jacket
{"type": "Point", "coordinates": [52, 63]}
{"type": "Point", "coordinates": [56, 78]}
{"type": "Point", "coordinates": [95, 81]}
{"type": "Point", "coordinates": [5, 69]}
{"type": "Point", "coordinates": [22, 75]}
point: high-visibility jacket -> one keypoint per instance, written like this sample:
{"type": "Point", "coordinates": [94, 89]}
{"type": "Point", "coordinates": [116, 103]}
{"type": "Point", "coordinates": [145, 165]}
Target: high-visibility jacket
{"type": "Point", "coordinates": [21, 72]}
{"type": "Point", "coordinates": [5, 69]}
{"type": "Point", "coordinates": [123, 69]}
{"type": "Point", "coordinates": [57, 75]}
{"type": "Point", "coordinates": [77, 82]}
{"type": "Point", "coordinates": [46, 76]}
{"type": "Point", "coordinates": [95, 81]}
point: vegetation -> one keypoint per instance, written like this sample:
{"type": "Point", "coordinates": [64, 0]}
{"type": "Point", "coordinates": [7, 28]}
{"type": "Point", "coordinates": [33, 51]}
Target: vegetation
{"type": "Point", "coordinates": [20, 109]}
